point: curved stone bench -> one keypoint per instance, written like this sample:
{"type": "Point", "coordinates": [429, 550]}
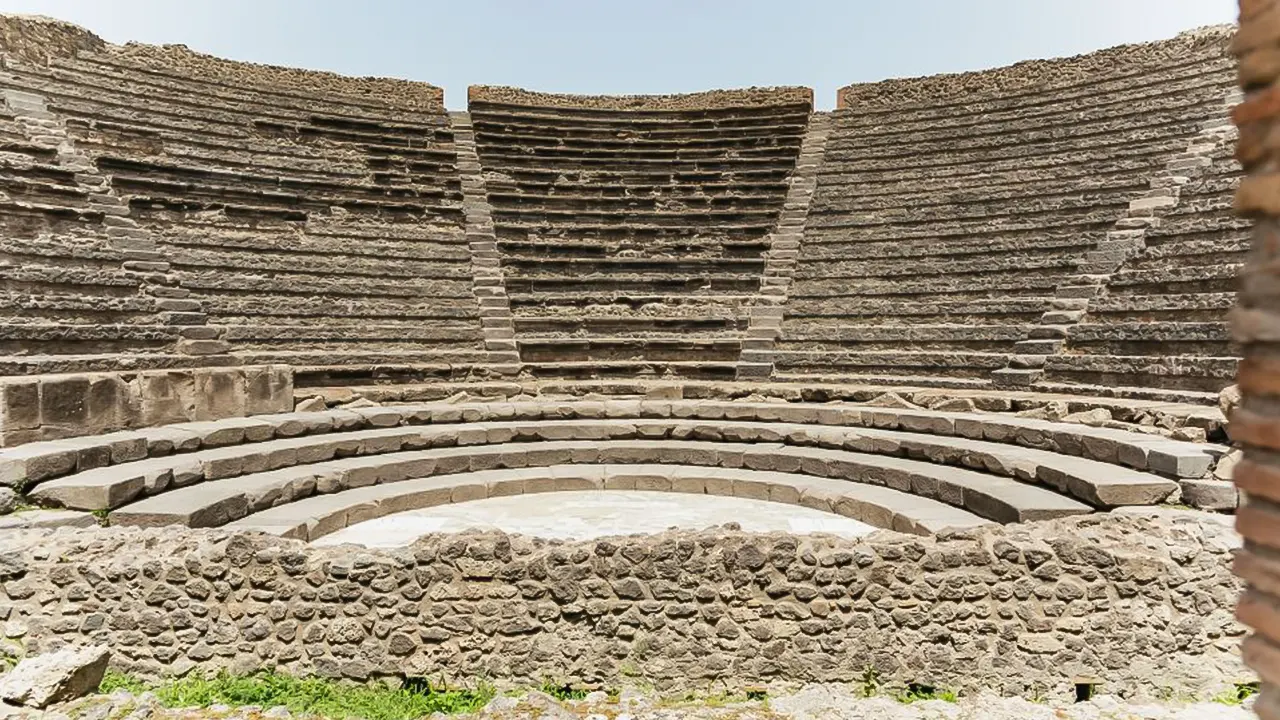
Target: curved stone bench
{"type": "Point", "coordinates": [41, 461]}
{"type": "Point", "coordinates": [218, 502]}
{"type": "Point", "coordinates": [882, 507]}
{"type": "Point", "coordinates": [1096, 483]}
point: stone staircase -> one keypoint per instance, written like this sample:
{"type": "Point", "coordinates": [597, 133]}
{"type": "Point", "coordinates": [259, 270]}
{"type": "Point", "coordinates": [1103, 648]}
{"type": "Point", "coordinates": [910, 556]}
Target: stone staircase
{"type": "Point", "coordinates": [634, 239]}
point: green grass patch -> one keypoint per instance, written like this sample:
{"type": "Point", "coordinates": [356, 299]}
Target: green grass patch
{"type": "Point", "coordinates": [1238, 694]}
{"type": "Point", "coordinates": [113, 681]}
{"type": "Point", "coordinates": [308, 696]}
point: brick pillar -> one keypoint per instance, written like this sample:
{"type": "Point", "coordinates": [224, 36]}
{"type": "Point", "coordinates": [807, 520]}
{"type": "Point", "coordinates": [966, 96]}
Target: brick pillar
{"type": "Point", "coordinates": [1256, 325]}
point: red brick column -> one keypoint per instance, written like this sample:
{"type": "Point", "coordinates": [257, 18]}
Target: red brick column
{"type": "Point", "coordinates": [1256, 324]}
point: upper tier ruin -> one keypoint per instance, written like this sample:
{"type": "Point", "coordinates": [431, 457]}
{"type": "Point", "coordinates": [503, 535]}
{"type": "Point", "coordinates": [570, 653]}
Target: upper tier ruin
{"type": "Point", "coordinates": [1057, 226]}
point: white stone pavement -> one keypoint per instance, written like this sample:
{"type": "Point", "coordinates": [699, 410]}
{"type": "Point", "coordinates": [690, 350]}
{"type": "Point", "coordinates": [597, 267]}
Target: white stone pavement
{"type": "Point", "coordinates": [581, 515]}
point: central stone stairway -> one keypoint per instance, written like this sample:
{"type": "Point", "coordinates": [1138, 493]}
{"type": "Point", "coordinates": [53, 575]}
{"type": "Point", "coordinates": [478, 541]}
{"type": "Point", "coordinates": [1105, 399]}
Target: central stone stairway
{"type": "Point", "coordinates": [634, 233]}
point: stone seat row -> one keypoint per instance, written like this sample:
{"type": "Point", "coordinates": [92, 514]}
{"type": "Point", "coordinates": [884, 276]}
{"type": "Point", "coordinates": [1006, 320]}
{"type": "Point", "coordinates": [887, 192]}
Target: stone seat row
{"type": "Point", "coordinates": [720, 163]}
{"type": "Point", "coordinates": [125, 75]}
{"type": "Point", "coordinates": [317, 516]}
{"type": "Point", "coordinates": [539, 137]}
{"type": "Point", "coordinates": [1095, 483]}
{"type": "Point", "coordinates": [216, 503]}
{"type": "Point", "coordinates": [583, 179]}
{"type": "Point", "coordinates": [678, 197]}
{"type": "Point", "coordinates": [640, 152]}
{"type": "Point", "coordinates": [38, 462]}
{"type": "Point", "coordinates": [212, 126]}
{"type": "Point", "coordinates": [560, 189]}
{"type": "Point", "coordinates": [168, 174]}
{"type": "Point", "coordinates": [1124, 87]}
{"type": "Point", "coordinates": [1185, 109]}
{"type": "Point", "coordinates": [738, 121]}
{"type": "Point", "coordinates": [1039, 194]}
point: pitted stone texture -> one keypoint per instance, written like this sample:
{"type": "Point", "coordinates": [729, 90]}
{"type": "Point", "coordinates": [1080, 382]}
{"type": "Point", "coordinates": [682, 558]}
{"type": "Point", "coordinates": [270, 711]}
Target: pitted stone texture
{"type": "Point", "coordinates": [1141, 603]}
{"type": "Point", "coordinates": [39, 39]}
{"type": "Point", "coordinates": [709, 100]}
{"type": "Point", "coordinates": [1036, 75]}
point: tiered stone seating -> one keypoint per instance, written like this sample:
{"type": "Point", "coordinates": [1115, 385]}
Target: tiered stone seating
{"type": "Point", "coordinates": [312, 218]}
{"type": "Point", "coordinates": [950, 210]}
{"type": "Point", "coordinates": [991, 467]}
{"type": "Point", "coordinates": [66, 285]}
{"type": "Point", "coordinates": [633, 231]}
{"type": "Point", "coordinates": [1162, 320]}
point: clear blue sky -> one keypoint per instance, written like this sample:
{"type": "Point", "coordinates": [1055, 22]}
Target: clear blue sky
{"type": "Point", "coordinates": [637, 46]}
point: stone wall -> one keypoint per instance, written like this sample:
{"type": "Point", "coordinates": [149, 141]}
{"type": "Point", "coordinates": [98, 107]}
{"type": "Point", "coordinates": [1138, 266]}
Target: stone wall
{"type": "Point", "coordinates": [1031, 76]}
{"type": "Point", "coordinates": [1141, 604]}
{"type": "Point", "coordinates": [38, 39]}
{"type": "Point", "coordinates": [709, 100]}
{"type": "Point", "coordinates": [1256, 325]}
{"type": "Point", "coordinates": [50, 407]}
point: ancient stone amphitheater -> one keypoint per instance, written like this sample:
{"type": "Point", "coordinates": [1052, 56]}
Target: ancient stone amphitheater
{"type": "Point", "coordinates": [272, 304]}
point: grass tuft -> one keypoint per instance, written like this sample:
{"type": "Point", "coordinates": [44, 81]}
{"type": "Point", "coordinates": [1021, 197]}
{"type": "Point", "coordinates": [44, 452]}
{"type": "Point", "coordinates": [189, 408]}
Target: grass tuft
{"type": "Point", "coordinates": [1238, 694]}
{"type": "Point", "coordinates": [307, 696]}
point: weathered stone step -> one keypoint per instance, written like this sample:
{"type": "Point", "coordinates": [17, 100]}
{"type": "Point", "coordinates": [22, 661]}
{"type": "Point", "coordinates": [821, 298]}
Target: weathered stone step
{"type": "Point", "coordinates": [1171, 113]}
{"type": "Point", "coordinates": [795, 357]}
{"type": "Point", "coordinates": [539, 136]}
{"type": "Point", "coordinates": [653, 349]}
{"type": "Point", "coordinates": [1156, 371]}
{"type": "Point", "coordinates": [728, 119]}
{"type": "Point", "coordinates": [121, 74]}
{"type": "Point", "coordinates": [216, 503]}
{"type": "Point", "coordinates": [310, 518]}
{"type": "Point", "coordinates": [93, 457]}
{"type": "Point", "coordinates": [1083, 90]}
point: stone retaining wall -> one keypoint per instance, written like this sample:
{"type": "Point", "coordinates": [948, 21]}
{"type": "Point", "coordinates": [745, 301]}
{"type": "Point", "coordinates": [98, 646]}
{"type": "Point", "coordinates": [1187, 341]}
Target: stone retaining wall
{"type": "Point", "coordinates": [753, 97]}
{"type": "Point", "coordinates": [51, 407]}
{"type": "Point", "coordinates": [1141, 604]}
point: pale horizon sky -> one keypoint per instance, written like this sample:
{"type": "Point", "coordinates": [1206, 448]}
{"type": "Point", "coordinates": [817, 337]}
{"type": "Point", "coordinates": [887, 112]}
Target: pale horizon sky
{"type": "Point", "coordinates": [654, 46]}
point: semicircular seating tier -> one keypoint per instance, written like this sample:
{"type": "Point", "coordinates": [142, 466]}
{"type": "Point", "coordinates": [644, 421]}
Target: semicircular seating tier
{"type": "Point", "coordinates": [307, 474]}
{"type": "Point", "coordinates": [168, 205]}
{"type": "Point", "coordinates": [633, 231]}
{"type": "Point", "coordinates": [964, 226]}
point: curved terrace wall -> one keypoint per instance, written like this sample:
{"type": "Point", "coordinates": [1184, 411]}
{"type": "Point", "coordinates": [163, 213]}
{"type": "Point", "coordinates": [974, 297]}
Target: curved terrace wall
{"type": "Point", "coordinates": [1141, 605]}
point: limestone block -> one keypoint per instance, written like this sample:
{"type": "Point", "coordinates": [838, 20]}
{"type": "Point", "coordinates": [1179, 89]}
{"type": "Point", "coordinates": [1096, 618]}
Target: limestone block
{"type": "Point", "coordinates": [167, 397]}
{"type": "Point", "coordinates": [55, 677]}
{"type": "Point", "coordinates": [268, 389]}
{"type": "Point", "coordinates": [219, 393]}
{"type": "Point", "coordinates": [111, 405]}
{"type": "Point", "coordinates": [1210, 494]}
{"type": "Point", "coordinates": [64, 402]}
{"type": "Point", "coordinates": [19, 404]}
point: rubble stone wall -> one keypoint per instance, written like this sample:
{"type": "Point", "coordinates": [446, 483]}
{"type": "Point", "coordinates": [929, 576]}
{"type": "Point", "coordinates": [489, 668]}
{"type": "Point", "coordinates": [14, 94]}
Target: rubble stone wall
{"type": "Point", "coordinates": [1139, 603]}
{"type": "Point", "coordinates": [708, 100]}
{"type": "Point", "coordinates": [1030, 76]}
